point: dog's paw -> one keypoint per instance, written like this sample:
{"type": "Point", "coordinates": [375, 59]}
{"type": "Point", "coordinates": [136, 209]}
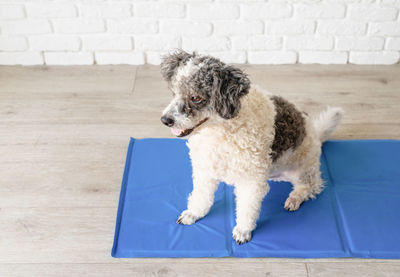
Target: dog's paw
{"type": "Point", "coordinates": [187, 218]}
{"type": "Point", "coordinates": [241, 236]}
{"type": "Point", "coordinates": [292, 203]}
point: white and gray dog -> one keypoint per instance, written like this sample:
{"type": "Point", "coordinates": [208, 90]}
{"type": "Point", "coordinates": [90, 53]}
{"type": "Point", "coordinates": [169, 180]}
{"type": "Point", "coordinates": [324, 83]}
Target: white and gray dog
{"type": "Point", "coordinates": [242, 136]}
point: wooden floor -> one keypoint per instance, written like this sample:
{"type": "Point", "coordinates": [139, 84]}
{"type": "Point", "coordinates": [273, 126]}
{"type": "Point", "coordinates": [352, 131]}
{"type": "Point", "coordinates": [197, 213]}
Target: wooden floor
{"type": "Point", "coordinates": [64, 133]}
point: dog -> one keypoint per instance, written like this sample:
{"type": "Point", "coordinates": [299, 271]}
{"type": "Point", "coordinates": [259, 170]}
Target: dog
{"type": "Point", "coordinates": [243, 136]}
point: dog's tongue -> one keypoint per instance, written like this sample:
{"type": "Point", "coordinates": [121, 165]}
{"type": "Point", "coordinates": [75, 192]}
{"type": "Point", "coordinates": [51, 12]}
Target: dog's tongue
{"type": "Point", "coordinates": [176, 132]}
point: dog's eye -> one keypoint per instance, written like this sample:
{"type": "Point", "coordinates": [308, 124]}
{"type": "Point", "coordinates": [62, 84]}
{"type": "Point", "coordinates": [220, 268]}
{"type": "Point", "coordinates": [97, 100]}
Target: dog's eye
{"type": "Point", "coordinates": [196, 99]}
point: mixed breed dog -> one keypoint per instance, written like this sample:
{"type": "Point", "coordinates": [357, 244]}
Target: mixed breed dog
{"type": "Point", "coordinates": [243, 136]}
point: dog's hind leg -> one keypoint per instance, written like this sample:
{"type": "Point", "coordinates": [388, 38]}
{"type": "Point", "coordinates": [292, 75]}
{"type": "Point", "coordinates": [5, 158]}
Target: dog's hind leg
{"type": "Point", "coordinates": [307, 184]}
{"type": "Point", "coordinates": [199, 201]}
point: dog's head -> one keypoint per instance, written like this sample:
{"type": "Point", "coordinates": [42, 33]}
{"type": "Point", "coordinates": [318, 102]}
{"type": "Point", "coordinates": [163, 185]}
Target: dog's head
{"type": "Point", "coordinates": [202, 87]}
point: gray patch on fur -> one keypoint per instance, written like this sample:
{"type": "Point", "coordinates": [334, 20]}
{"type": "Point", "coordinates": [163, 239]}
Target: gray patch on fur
{"type": "Point", "coordinates": [223, 84]}
{"type": "Point", "coordinates": [219, 85]}
{"type": "Point", "coordinates": [289, 127]}
{"type": "Point", "coordinates": [171, 62]}
{"type": "Point", "coordinates": [230, 85]}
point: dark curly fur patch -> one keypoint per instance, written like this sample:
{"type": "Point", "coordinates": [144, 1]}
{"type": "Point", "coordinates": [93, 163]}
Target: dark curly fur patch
{"type": "Point", "coordinates": [222, 84]}
{"type": "Point", "coordinates": [289, 127]}
{"type": "Point", "coordinates": [171, 62]}
{"type": "Point", "coordinates": [231, 84]}
{"type": "Point", "coordinates": [219, 85]}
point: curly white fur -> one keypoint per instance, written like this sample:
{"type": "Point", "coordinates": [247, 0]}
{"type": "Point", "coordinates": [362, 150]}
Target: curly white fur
{"type": "Point", "coordinates": [237, 152]}
{"type": "Point", "coordinates": [327, 121]}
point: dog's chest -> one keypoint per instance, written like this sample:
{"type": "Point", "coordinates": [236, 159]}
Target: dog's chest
{"type": "Point", "coordinates": [217, 160]}
{"type": "Point", "coordinates": [224, 159]}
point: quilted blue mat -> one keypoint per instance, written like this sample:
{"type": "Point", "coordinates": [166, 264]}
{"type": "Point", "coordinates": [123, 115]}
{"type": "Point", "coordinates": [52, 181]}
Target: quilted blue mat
{"type": "Point", "coordinates": [357, 215]}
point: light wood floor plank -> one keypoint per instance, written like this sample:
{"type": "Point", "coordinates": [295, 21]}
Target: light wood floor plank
{"type": "Point", "coordinates": [354, 269]}
{"type": "Point", "coordinates": [56, 235]}
{"type": "Point", "coordinates": [67, 107]}
{"type": "Point", "coordinates": [150, 269]}
{"type": "Point", "coordinates": [62, 184]}
{"type": "Point", "coordinates": [39, 79]}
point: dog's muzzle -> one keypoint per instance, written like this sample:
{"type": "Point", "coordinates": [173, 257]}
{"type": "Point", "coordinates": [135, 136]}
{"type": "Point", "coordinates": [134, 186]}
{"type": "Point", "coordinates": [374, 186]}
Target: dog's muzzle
{"type": "Point", "coordinates": [179, 132]}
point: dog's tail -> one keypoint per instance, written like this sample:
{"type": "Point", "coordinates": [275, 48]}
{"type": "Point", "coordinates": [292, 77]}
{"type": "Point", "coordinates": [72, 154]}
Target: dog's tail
{"type": "Point", "coordinates": [327, 121]}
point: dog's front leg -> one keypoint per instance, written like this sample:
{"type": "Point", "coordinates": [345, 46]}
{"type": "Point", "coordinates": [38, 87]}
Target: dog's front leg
{"type": "Point", "coordinates": [249, 197]}
{"type": "Point", "coordinates": [200, 200]}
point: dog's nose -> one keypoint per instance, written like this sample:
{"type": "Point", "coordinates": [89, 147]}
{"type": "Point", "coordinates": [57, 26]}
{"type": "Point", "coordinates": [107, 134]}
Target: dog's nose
{"type": "Point", "coordinates": [169, 121]}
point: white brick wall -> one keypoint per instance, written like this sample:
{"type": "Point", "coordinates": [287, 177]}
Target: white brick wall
{"type": "Point", "coordinates": [68, 58]}
{"type": "Point", "coordinates": [237, 31]}
{"type": "Point", "coordinates": [51, 10]}
{"type": "Point", "coordinates": [54, 43]}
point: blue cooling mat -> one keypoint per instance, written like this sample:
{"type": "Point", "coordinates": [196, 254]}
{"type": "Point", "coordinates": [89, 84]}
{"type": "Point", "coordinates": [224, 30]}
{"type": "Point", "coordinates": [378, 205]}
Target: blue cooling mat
{"type": "Point", "coordinates": [357, 215]}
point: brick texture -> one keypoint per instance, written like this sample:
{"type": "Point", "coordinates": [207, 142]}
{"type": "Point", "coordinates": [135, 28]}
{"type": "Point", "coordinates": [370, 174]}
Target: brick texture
{"type": "Point", "coordinates": [236, 31]}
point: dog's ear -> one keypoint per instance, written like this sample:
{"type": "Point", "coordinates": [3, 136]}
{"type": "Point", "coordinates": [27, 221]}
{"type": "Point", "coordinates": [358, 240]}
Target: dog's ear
{"type": "Point", "coordinates": [229, 85]}
{"type": "Point", "coordinates": [170, 63]}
